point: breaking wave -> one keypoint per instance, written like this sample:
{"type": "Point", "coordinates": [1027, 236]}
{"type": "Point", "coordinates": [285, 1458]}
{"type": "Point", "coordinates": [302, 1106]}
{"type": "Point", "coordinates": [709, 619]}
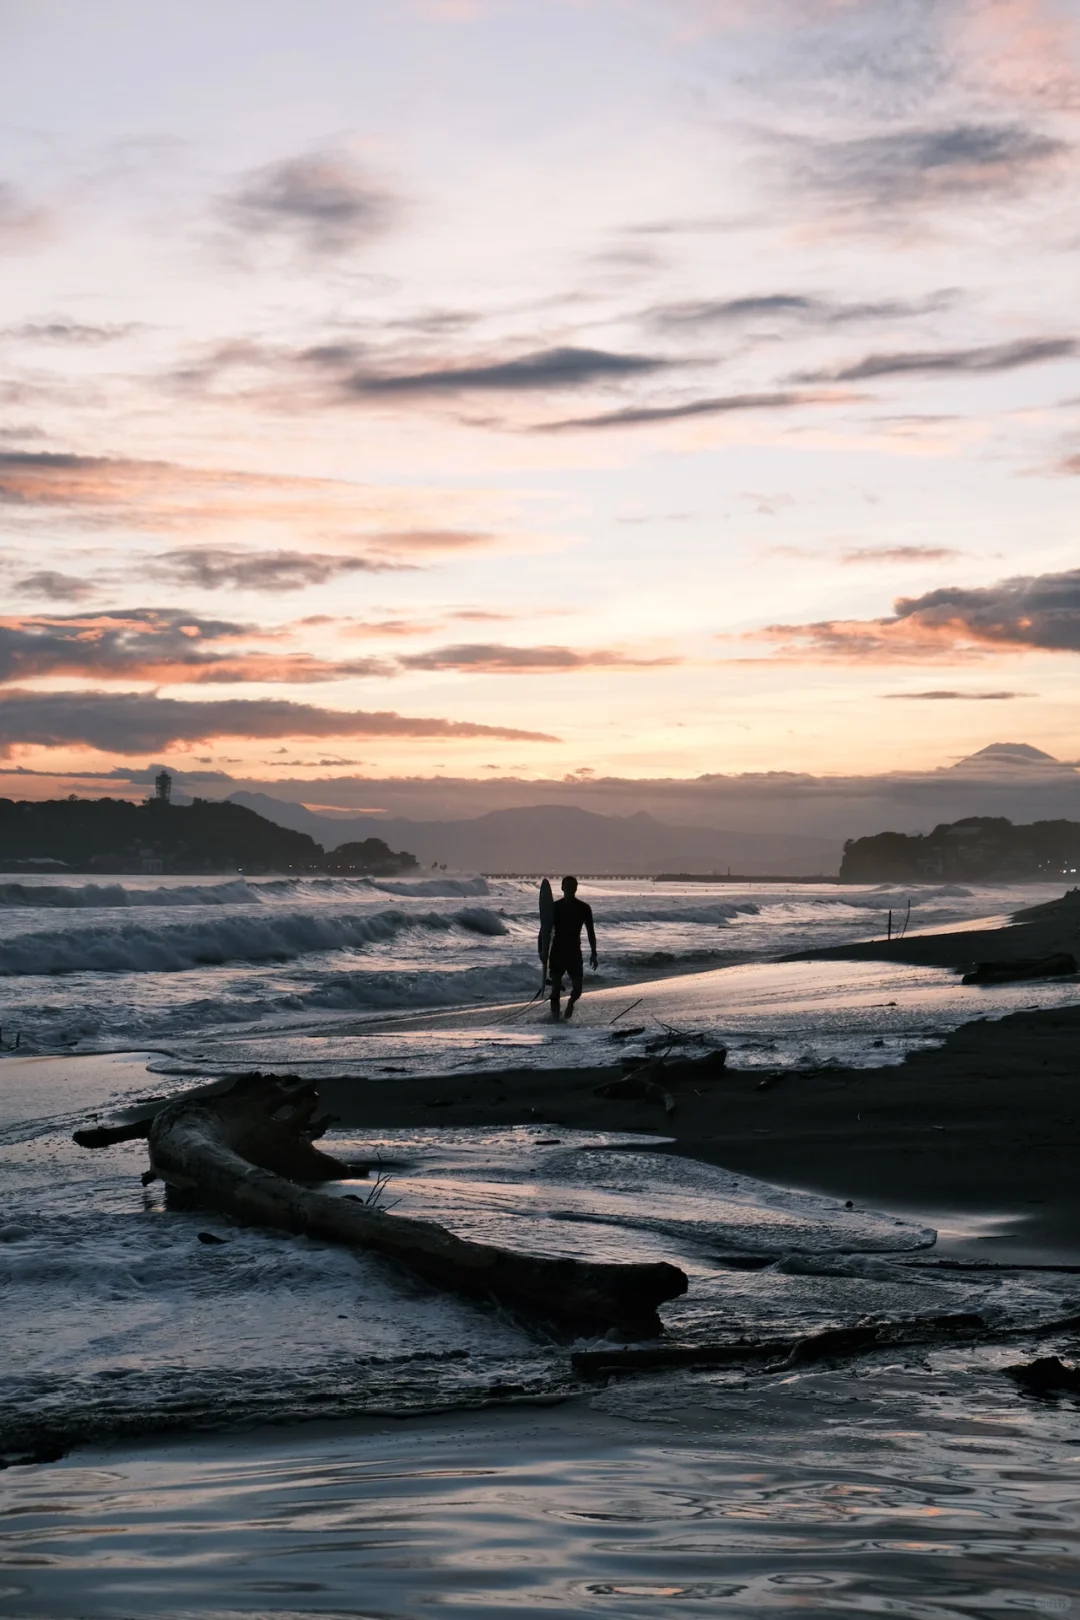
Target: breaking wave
{"type": "Point", "coordinates": [715, 915]}
{"type": "Point", "coordinates": [136, 947]}
{"type": "Point", "coordinates": [431, 888]}
{"type": "Point", "coordinates": [112, 896]}
{"type": "Point", "coordinates": [235, 892]}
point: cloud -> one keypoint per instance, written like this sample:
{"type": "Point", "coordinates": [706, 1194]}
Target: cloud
{"type": "Point", "coordinates": [1037, 613]}
{"type": "Point", "coordinates": [859, 555]}
{"type": "Point", "coordinates": [135, 722]}
{"type": "Point", "coordinates": [57, 587]}
{"type": "Point", "coordinates": [954, 697]}
{"type": "Point", "coordinates": [431, 539]}
{"type": "Point", "coordinates": [394, 628]}
{"type": "Point", "coordinates": [322, 202]}
{"type": "Point", "coordinates": [214, 568]}
{"type": "Point", "coordinates": [1012, 781]}
{"type": "Point", "coordinates": [163, 497]}
{"type": "Point", "coordinates": [69, 332]}
{"type": "Point", "coordinates": [61, 478]}
{"type": "Point", "coordinates": [929, 165]}
{"type": "Point", "coordinates": [158, 645]}
{"type": "Point", "coordinates": [544, 368]}
{"type": "Point", "coordinates": [784, 306]}
{"type": "Point", "coordinates": [494, 658]}
{"type": "Point", "coordinates": [20, 221]}
{"type": "Point", "coordinates": [971, 362]}
{"type": "Point", "coordinates": [722, 405]}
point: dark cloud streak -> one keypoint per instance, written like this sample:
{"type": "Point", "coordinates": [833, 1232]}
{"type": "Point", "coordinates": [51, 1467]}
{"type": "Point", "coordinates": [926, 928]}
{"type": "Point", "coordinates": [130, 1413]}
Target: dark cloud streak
{"type": "Point", "coordinates": [929, 165]}
{"type": "Point", "coordinates": [75, 333]}
{"type": "Point", "coordinates": [321, 201]}
{"type": "Point", "coordinates": [126, 722]}
{"type": "Point", "coordinates": [803, 307]}
{"type": "Point", "coordinates": [544, 368]}
{"type": "Point", "coordinates": [213, 568]}
{"type": "Point", "coordinates": [954, 697]}
{"type": "Point", "coordinates": [723, 405]}
{"type": "Point", "coordinates": [496, 658]}
{"type": "Point", "coordinates": [55, 586]}
{"type": "Point", "coordinates": [945, 362]}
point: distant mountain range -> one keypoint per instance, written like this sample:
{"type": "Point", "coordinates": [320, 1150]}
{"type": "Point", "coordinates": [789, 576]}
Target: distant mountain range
{"type": "Point", "coordinates": [555, 838]}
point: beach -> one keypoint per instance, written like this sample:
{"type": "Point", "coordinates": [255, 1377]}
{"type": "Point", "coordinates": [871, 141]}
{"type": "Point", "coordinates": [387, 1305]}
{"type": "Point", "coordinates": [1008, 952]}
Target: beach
{"type": "Point", "coordinates": [987, 1124]}
{"type": "Point", "coordinates": [203, 1419]}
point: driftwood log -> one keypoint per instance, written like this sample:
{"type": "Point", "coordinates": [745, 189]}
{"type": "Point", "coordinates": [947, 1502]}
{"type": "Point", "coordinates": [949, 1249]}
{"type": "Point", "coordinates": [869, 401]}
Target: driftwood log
{"type": "Point", "coordinates": [249, 1152]}
{"type": "Point", "coordinates": [1059, 965]}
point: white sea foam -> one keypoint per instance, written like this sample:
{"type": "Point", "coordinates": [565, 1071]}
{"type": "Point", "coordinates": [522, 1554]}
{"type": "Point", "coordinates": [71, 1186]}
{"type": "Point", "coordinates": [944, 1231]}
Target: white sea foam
{"type": "Point", "coordinates": [432, 888]}
{"type": "Point", "coordinates": [716, 914]}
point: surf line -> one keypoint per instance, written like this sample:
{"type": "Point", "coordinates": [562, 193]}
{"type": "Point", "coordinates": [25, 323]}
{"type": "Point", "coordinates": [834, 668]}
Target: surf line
{"type": "Point", "coordinates": [625, 1010]}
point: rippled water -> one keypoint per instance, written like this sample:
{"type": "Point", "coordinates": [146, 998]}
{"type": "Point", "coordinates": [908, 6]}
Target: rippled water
{"type": "Point", "coordinates": [925, 1491]}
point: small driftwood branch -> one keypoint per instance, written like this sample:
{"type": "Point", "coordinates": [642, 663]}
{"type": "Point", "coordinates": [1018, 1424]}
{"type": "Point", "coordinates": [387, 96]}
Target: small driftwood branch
{"type": "Point", "coordinates": [248, 1152]}
{"type": "Point", "coordinates": [100, 1136]}
{"type": "Point", "coordinates": [829, 1345]}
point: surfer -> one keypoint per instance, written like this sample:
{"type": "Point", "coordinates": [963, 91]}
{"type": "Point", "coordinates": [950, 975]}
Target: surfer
{"type": "Point", "coordinates": [570, 916]}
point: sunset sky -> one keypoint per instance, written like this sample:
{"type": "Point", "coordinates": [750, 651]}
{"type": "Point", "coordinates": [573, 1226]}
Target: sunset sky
{"type": "Point", "coordinates": [493, 388]}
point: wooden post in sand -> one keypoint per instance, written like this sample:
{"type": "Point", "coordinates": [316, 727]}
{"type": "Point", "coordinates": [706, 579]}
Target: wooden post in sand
{"type": "Point", "coordinates": [249, 1152]}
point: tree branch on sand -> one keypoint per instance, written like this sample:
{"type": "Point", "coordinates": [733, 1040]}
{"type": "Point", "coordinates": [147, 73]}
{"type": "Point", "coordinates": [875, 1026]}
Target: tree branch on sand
{"type": "Point", "coordinates": [249, 1152]}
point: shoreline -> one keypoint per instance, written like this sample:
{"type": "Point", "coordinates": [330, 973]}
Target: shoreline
{"type": "Point", "coordinates": [1037, 931]}
{"type": "Point", "coordinates": [977, 1136]}
{"type": "Point", "coordinates": [982, 1131]}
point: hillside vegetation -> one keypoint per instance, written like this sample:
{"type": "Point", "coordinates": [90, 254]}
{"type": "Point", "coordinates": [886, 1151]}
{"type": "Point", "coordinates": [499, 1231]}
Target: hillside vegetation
{"type": "Point", "coordinates": [979, 848]}
{"type": "Point", "coordinates": [114, 835]}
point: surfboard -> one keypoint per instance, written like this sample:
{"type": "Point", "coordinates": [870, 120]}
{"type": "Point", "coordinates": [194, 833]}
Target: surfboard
{"type": "Point", "coordinates": [547, 923]}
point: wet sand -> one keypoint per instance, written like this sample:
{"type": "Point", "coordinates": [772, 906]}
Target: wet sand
{"type": "Point", "coordinates": [1036, 931]}
{"type": "Point", "coordinates": [985, 1127]}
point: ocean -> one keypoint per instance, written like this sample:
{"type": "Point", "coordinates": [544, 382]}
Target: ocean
{"type": "Point", "coordinates": [358, 1424]}
{"type": "Point", "coordinates": [183, 963]}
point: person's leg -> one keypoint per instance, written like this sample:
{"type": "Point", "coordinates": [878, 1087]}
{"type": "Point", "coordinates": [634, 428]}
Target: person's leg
{"type": "Point", "coordinates": [555, 969]}
{"type": "Point", "coordinates": [577, 974]}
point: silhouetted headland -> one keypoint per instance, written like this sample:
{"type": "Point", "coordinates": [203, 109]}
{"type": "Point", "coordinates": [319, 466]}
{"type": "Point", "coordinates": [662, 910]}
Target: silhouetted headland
{"type": "Point", "coordinates": [205, 836]}
{"type": "Point", "coordinates": [979, 849]}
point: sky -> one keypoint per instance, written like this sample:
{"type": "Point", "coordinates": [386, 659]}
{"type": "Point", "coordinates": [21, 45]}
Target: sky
{"type": "Point", "coordinates": [535, 390]}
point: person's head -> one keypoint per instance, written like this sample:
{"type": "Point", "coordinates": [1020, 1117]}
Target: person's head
{"type": "Point", "coordinates": [569, 887]}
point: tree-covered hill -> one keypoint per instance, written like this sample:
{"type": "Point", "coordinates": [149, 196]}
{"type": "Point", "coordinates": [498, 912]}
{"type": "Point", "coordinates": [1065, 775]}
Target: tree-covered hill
{"type": "Point", "coordinates": [980, 848]}
{"type": "Point", "coordinates": [114, 835]}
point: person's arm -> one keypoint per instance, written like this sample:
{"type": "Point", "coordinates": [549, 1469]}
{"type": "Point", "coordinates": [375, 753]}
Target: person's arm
{"type": "Point", "coordinates": [591, 931]}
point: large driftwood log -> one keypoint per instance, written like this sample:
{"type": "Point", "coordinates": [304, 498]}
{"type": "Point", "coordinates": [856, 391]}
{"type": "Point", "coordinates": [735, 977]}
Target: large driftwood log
{"type": "Point", "coordinates": [248, 1151]}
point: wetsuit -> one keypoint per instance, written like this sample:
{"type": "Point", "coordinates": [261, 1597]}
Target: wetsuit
{"type": "Point", "coordinates": [571, 916]}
